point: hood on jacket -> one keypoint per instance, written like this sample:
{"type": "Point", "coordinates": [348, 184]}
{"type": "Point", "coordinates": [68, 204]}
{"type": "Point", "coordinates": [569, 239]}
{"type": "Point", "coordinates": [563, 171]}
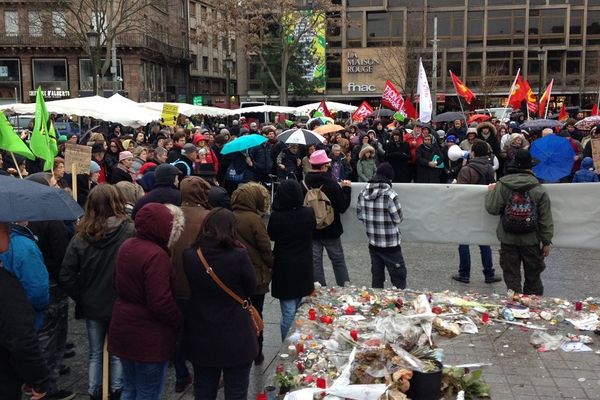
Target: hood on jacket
{"type": "Point", "coordinates": [159, 223]}
{"type": "Point", "coordinates": [483, 166]}
{"type": "Point", "coordinates": [16, 229]}
{"type": "Point", "coordinates": [482, 125]}
{"type": "Point", "coordinates": [587, 164]}
{"type": "Point", "coordinates": [250, 197]}
{"type": "Point", "coordinates": [519, 180]}
{"type": "Point", "coordinates": [365, 149]}
{"type": "Point", "coordinates": [39, 177]}
{"type": "Point", "coordinates": [289, 196]}
{"type": "Point", "coordinates": [194, 192]}
{"type": "Point", "coordinates": [375, 189]}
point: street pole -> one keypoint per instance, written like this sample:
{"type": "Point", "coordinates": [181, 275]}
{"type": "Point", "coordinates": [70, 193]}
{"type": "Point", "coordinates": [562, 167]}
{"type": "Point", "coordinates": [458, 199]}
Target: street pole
{"type": "Point", "coordinates": [434, 68]}
{"type": "Point", "coordinates": [113, 68]}
{"type": "Point", "coordinates": [540, 59]}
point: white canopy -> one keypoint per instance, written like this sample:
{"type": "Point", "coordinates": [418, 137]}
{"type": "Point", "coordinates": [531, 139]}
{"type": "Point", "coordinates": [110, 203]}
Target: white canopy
{"type": "Point", "coordinates": [265, 108]}
{"type": "Point", "coordinates": [189, 109]}
{"type": "Point", "coordinates": [331, 105]}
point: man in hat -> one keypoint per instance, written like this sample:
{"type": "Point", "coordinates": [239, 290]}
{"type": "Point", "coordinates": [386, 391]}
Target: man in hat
{"type": "Point", "coordinates": [329, 237]}
{"type": "Point", "coordinates": [468, 142]}
{"type": "Point", "coordinates": [379, 209]}
{"type": "Point", "coordinates": [165, 191]}
{"type": "Point", "coordinates": [185, 163]}
{"type": "Point", "coordinates": [520, 188]}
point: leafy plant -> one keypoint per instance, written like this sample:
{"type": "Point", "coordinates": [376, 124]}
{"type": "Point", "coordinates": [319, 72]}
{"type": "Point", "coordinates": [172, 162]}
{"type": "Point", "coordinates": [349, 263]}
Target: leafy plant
{"type": "Point", "coordinates": [457, 379]}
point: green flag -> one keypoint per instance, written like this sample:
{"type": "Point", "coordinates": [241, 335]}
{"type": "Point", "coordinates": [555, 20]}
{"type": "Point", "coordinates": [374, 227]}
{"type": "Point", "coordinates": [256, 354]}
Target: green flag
{"type": "Point", "coordinates": [399, 116]}
{"type": "Point", "coordinates": [10, 141]}
{"type": "Point", "coordinates": [43, 138]}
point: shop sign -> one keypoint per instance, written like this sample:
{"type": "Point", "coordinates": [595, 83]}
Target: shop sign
{"type": "Point", "coordinates": [3, 71]}
{"type": "Point", "coordinates": [51, 94]}
{"type": "Point", "coordinates": [365, 70]}
{"type": "Point", "coordinates": [198, 100]}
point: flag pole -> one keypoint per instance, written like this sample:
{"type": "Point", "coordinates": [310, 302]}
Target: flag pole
{"type": "Point", "coordinates": [459, 102]}
{"type": "Point", "coordinates": [548, 101]}
{"type": "Point", "coordinates": [16, 165]}
{"type": "Point", "coordinates": [598, 102]}
{"type": "Point", "coordinates": [512, 87]}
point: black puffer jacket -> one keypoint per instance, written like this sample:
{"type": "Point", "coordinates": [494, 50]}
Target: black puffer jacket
{"type": "Point", "coordinates": [340, 201]}
{"type": "Point", "coordinates": [291, 227]}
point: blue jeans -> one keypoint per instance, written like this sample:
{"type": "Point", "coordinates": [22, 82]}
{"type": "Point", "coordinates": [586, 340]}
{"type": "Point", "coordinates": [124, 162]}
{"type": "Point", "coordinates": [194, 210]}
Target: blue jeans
{"type": "Point", "coordinates": [97, 332]}
{"type": "Point", "coordinates": [393, 261]}
{"type": "Point", "coordinates": [335, 251]}
{"type": "Point", "coordinates": [464, 267]}
{"type": "Point", "coordinates": [236, 380]}
{"type": "Point", "coordinates": [288, 312]}
{"type": "Point", "coordinates": [143, 381]}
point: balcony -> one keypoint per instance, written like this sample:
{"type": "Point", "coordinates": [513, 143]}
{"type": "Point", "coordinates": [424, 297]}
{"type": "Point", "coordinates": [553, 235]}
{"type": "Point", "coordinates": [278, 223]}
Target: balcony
{"type": "Point", "coordinates": [46, 40]}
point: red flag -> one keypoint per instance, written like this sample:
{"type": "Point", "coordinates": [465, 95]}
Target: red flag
{"type": "Point", "coordinates": [518, 94]}
{"type": "Point", "coordinates": [461, 89]}
{"type": "Point", "coordinates": [391, 97]}
{"type": "Point", "coordinates": [362, 111]}
{"type": "Point", "coordinates": [409, 109]}
{"type": "Point", "coordinates": [563, 113]}
{"type": "Point", "coordinates": [544, 100]}
{"type": "Point", "coordinates": [324, 110]}
{"type": "Point", "coordinates": [595, 110]}
{"type": "Point", "coordinates": [529, 97]}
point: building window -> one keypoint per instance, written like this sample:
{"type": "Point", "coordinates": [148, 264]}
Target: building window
{"type": "Point", "coordinates": [505, 27]}
{"type": "Point", "coordinates": [386, 28]}
{"type": "Point", "coordinates": [59, 25]}
{"type": "Point", "coordinates": [355, 27]}
{"type": "Point", "coordinates": [35, 23]}
{"type": "Point", "coordinates": [204, 63]}
{"type": "Point", "coordinates": [592, 67]}
{"type": "Point", "coordinates": [547, 26]}
{"type": "Point", "coordinates": [11, 23]}
{"type": "Point", "coordinates": [193, 9]}
{"type": "Point", "coordinates": [573, 67]}
{"type": "Point", "coordinates": [450, 28]}
{"type": "Point", "coordinates": [216, 66]}
{"type": "Point", "coordinates": [365, 3]}
{"type": "Point", "coordinates": [475, 28]}
{"type": "Point", "coordinates": [194, 61]}
{"type": "Point", "coordinates": [215, 41]}
{"type": "Point", "coordinates": [593, 27]}
{"type": "Point", "coordinates": [86, 82]}
{"type": "Point", "coordinates": [50, 74]}
{"type": "Point", "coordinates": [10, 81]}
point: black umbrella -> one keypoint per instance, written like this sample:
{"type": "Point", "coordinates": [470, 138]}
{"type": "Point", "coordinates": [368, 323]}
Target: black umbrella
{"type": "Point", "coordinates": [540, 124]}
{"type": "Point", "coordinates": [384, 112]}
{"type": "Point", "coordinates": [29, 201]}
{"type": "Point", "coordinates": [448, 116]}
{"type": "Point", "coordinates": [300, 136]}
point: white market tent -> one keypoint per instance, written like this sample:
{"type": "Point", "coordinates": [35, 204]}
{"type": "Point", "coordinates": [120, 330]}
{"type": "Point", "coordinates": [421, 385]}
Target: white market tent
{"type": "Point", "coordinates": [331, 105]}
{"type": "Point", "coordinates": [188, 109]}
{"type": "Point", "coordinates": [265, 108]}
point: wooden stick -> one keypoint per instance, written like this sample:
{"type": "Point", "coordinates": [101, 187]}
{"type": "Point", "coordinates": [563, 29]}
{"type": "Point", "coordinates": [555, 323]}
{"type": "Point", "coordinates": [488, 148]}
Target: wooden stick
{"type": "Point", "coordinates": [16, 165]}
{"type": "Point", "coordinates": [74, 180]}
{"type": "Point", "coordinates": [105, 369]}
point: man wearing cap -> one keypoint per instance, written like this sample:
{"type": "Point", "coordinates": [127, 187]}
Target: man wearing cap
{"type": "Point", "coordinates": [527, 248]}
{"type": "Point", "coordinates": [185, 163]}
{"type": "Point", "coordinates": [379, 209]}
{"type": "Point", "coordinates": [253, 129]}
{"type": "Point", "coordinates": [329, 237]}
{"type": "Point", "coordinates": [165, 188]}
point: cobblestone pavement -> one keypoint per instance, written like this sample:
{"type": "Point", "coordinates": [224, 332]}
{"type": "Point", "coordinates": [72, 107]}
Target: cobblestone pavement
{"type": "Point", "coordinates": [518, 371]}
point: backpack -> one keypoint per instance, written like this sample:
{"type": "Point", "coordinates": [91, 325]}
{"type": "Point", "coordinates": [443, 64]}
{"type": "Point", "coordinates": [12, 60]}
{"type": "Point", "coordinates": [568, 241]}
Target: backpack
{"type": "Point", "coordinates": [320, 203]}
{"type": "Point", "coordinates": [520, 213]}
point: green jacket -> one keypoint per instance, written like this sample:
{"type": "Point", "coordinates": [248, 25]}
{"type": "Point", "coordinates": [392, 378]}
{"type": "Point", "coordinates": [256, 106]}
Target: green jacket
{"type": "Point", "coordinates": [495, 201]}
{"type": "Point", "coordinates": [366, 168]}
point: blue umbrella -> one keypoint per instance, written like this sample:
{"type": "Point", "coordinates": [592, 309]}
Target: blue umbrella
{"type": "Point", "coordinates": [30, 201]}
{"type": "Point", "coordinates": [243, 143]}
{"type": "Point", "coordinates": [555, 157]}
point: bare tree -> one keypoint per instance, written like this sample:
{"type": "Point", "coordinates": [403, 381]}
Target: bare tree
{"type": "Point", "coordinates": [401, 67]}
{"type": "Point", "coordinates": [490, 83]}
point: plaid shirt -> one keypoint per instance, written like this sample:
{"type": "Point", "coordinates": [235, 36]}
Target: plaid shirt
{"type": "Point", "coordinates": [379, 209]}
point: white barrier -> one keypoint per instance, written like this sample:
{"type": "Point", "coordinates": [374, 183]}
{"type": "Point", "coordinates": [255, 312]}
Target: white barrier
{"type": "Point", "coordinates": [456, 214]}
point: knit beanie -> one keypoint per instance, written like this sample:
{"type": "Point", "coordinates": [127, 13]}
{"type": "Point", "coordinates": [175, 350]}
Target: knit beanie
{"type": "Point", "coordinates": [165, 174]}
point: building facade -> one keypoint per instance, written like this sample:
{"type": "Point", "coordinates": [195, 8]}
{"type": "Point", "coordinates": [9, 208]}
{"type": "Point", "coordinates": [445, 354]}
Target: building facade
{"type": "Point", "coordinates": [36, 50]}
{"type": "Point", "coordinates": [214, 61]}
{"type": "Point", "coordinates": [485, 42]}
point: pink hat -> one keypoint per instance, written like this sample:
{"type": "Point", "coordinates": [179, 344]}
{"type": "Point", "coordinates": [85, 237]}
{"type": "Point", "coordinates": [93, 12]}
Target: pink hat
{"type": "Point", "coordinates": [319, 157]}
{"type": "Point", "coordinates": [124, 155]}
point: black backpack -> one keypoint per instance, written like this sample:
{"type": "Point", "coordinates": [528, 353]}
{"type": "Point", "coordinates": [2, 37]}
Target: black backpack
{"type": "Point", "coordinates": [520, 213]}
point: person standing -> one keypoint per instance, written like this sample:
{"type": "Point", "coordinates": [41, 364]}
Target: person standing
{"type": "Point", "coordinates": [328, 237]}
{"type": "Point", "coordinates": [397, 153]}
{"type": "Point", "coordinates": [379, 209]}
{"type": "Point", "coordinates": [220, 337]}
{"type": "Point", "coordinates": [520, 189]}
{"type": "Point", "coordinates": [478, 171]}
{"type": "Point", "coordinates": [123, 171]}
{"type": "Point", "coordinates": [291, 227]}
{"type": "Point", "coordinates": [87, 273]}
{"type": "Point", "coordinates": [145, 317]}
{"type": "Point", "coordinates": [430, 163]}
{"type": "Point", "coordinates": [165, 191]}
{"type": "Point", "coordinates": [185, 162]}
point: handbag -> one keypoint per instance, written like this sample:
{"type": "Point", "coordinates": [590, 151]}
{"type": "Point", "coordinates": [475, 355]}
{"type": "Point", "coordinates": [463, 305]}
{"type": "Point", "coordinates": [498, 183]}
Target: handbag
{"type": "Point", "coordinates": [246, 304]}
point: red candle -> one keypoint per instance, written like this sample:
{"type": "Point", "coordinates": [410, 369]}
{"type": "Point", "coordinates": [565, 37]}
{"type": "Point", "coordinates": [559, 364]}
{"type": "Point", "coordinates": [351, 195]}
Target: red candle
{"type": "Point", "coordinates": [350, 310]}
{"type": "Point", "coordinates": [300, 366]}
{"type": "Point", "coordinates": [578, 306]}
{"type": "Point", "coordinates": [312, 314]}
{"type": "Point", "coordinates": [436, 310]}
{"type": "Point", "coordinates": [354, 334]}
{"type": "Point", "coordinates": [299, 347]}
{"type": "Point", "coordinates": [321, 383]}
{"type": "Point", "coordinates": [399, 303]}
{"type": "Point", "coordinates": [485, 318]}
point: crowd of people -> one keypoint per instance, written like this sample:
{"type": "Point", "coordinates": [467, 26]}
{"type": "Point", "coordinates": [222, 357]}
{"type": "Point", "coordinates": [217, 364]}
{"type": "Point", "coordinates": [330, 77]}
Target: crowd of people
{"type": "Point", "coordinates": [163, 207]}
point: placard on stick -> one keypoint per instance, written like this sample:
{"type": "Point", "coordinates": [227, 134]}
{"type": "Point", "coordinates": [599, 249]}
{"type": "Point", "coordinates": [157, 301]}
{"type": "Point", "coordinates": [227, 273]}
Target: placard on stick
{"type": "Point", "coordinates": [596, 153]}
{"type": "Point", "coordinates": [169, 114]}
{"type": "Point", "coordinates": [78, 156]}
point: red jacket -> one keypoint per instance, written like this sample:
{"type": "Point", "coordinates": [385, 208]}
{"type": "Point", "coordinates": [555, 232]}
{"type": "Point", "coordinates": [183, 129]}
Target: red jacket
{"type": "Point", "coordinates": [414, 143]}
{"type": "Point", "coordinates": [145, 317]}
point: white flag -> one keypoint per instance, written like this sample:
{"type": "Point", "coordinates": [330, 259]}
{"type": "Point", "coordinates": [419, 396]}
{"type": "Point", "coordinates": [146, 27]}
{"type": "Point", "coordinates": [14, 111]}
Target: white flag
{"type": "Point", "coordinates": [425, 104]}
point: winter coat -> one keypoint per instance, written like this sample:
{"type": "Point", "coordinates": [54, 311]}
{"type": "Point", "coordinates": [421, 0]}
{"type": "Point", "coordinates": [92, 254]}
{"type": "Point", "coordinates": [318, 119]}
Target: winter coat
{"type": "Point", "coordinates": [586, 173]}
{"type": "Point", "coordinates": [291, 227]}
{"type": "Point", "coordinates": [194, 204]}
{"type": "Point", "coordinates": [398, 155]}
{"type": "Point", "coordinates": [20, 358]}
{"type": "Point", "coordinates": [340, 201]}
{"type": "Point", "coordinates": [145, 316]}
{"type": "Point", "coordinates": [425, 173]}
{"type": "Point", "coordinates": [460, 133]}
{"type": "Point", "coordinates": [24, 261]}
{"type": "Point", "coordinates": [185, 166]}
{"type": "Point", "coordinates": [117, 175]}
{"type": "Point", "coordinates": [87, 271]}
{"type": "Point", "coordinates": [163, 194]}
{"type": "Point", "coordinates": [247, 203]}
{"type": "Point", "coordinates": [262, 160]}
{"type": "Point", "coordinates": [492, 140]}
{"type": "Point", "coordinates": [479, 171]}
{"type": "Point", "coordinates": [496, 200]}
{"type": "Point", "coordinates": [219, 332]}
{"type": "Point", "coordinates": [340, 168]}
{"type": "Point", "coordinates": [366, 168]}
{"type": "Point", "coordinates": [53, 241]}
{"type": "Point", "coordinates": [413, 143]}
{"type": "Point", "coordinates": [290, 161]}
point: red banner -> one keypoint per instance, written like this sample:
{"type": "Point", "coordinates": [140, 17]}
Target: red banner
{"type": "Point", "coordinates": [461, 89]}
{"type": "Point", "coordinates": [324, 110]}
{"type": "Point", "coordinates": [362, 111]}
{"type": "Point", "coordinates": [391, 97]}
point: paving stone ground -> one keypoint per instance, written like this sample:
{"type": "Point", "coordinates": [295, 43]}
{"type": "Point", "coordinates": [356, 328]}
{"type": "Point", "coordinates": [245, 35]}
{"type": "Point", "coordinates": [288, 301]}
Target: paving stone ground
{"type": "Point", "coordinates": [518, 371]}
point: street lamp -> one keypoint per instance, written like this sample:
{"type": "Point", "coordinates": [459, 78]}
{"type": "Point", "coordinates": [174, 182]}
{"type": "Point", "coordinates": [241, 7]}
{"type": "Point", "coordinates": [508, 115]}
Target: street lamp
{"type": "Point", "coordinates": [540, 56]}
{"type": "Point", "coordinates": [93, 39]}
{"type": "Point", "coordinates": [228, 67]}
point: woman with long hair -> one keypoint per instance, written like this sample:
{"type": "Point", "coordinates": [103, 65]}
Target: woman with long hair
{"type": "Point", "coordinates": [87, 277]}
{"type": "Point", "coordinates": [219, 336]}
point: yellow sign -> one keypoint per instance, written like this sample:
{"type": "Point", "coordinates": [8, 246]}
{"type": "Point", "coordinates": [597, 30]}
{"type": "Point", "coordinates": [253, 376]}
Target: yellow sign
{"type": "Point", "coordinates": [169, 114]}
{"type": "Point", "coordinates": [78, 157]}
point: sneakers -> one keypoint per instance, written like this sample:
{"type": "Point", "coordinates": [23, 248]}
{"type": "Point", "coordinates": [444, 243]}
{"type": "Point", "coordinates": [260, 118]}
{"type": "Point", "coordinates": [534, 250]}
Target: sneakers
{"type": "Point", "coordinates": [180, 386]}
{"type": "Point", "coordinates": [493, 279]}
{"type": "Point", "coordinates": [60, 395]}
{"type": "Point", "coordinates": [459, 278]}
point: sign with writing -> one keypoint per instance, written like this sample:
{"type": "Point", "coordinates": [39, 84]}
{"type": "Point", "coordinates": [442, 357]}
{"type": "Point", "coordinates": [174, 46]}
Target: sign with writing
{"type": "Point", "coordinates": [596, 153]}
{"type": "Point", "coordinates": [3, 71]}
{"type": "Point", "coordinates": [78, 155]}
{"type": "Point", "coordinates": [365, 70]}
{"type": "Point", "coordinates": [198, 100]}
{"type": "Point", "coordinates": [169, 114]}
{"type": "Point", "coordinates": [51, 94]}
